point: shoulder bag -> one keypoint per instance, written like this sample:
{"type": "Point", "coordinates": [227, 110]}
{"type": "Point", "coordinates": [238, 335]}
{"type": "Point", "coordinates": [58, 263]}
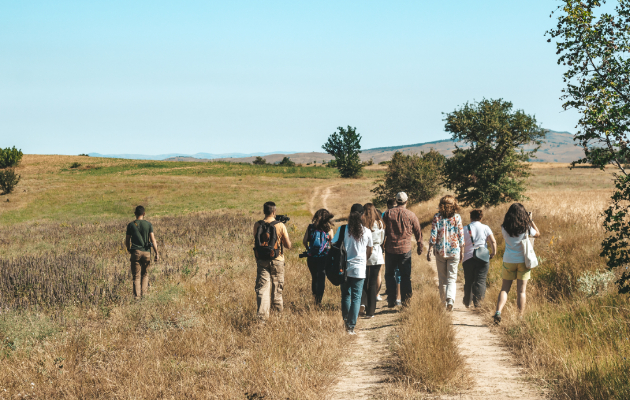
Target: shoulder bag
{"type": "Point", "coordinates": [531, 261]}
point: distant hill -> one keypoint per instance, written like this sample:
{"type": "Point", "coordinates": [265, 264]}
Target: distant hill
{"type": "Point", "coordinates": [208, 156]}
{"type": "Point", "coordinates": [558, 147]}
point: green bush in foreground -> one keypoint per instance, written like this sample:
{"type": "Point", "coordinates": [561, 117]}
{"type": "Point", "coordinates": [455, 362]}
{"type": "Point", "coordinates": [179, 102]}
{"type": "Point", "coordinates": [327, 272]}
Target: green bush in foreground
{"type": "Point", "coordinates": [10, 157]}
{"type": "Point", "coordinates": [8, 180]}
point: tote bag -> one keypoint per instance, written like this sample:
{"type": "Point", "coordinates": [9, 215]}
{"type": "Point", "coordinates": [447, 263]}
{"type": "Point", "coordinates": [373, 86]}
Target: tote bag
{"type": "Point", "coordinates": [531, 261]}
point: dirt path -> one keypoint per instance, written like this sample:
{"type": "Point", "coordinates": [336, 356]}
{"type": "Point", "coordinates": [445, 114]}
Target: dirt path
{"type": "Point", "coordinates": [319, 198]}
{"type": "Point", "coordinates": [363, 374]}
{"type": "Point", "coordinates": [493, 368]}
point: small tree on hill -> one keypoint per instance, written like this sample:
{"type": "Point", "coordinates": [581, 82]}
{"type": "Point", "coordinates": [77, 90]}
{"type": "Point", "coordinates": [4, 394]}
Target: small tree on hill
{"type": "Point", "coordinates": [8, 180]}
{"type": "Point", "coordinates": [345, 146]}
{"type": "Point", "coordinates": [10, 157]}
{"type": "Point", "coordinates": [286, 161]}
{"type": "Point", "coordinates": [417, 175]}
{"type": "Point", "coordinates": [490, 168]}
{"type": "Point", "coordinates": [259, 161]}
{"type": "Point", "coordinates": [595, 47]}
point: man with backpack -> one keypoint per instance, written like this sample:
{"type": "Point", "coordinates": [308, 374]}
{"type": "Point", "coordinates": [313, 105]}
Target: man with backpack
{"type": "Point", "coordinates": [270, 240]}
{"type": "Point", "coordinates": [139, 241]}
{"type": "Point", "coordinates": [400, 225]}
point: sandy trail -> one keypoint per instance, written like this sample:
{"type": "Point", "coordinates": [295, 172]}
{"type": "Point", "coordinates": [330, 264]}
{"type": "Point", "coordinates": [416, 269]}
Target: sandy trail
{"type": "Point", "coordinates": [319, 198]}
{"type": "Point", "coordinates": [363, 371]}
{"type": "Point", "coordinates": [493, 368]}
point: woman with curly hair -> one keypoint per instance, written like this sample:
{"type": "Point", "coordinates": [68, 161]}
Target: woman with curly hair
{"type": "Point", "coordinates": [357, 240]}
{"type": "Point", "coordinates": [447, 240]}
{"type": "Point", "coordinates": [517, 227]}
{"type": "Point", "coordinates": [317, 240]}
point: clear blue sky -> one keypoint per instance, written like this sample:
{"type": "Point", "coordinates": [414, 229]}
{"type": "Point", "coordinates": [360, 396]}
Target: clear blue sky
{"type": "Point", "coordinates": [156, 77]}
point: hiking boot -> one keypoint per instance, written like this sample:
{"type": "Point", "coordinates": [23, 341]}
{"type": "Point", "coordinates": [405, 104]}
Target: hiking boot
{"type": "Point", "coordinates": [497, 318]}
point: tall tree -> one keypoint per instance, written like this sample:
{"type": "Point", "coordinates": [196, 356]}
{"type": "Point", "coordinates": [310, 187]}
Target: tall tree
{"type": "Point", "coordinates": [595, 48]}
{"type": "Point", "coordinates": [345, 146]}
{"type": "Point", "coordinates": [488, 165]}
{"type": "Point", "coordinates": [417, 175]}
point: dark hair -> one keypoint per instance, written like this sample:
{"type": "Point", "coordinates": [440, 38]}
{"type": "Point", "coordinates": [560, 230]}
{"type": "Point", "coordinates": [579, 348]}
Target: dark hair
{"type": "Point", "coordinates": [322, 220]}
{"type": "Point", "coordinates": [139, 211]}
{"type": "Point", "coordinates": [516, 221]}
{"type": "Point", "coordinates": [476, 215]}
{"type": "Point", "coordinates": [370, 216]}
{"type": "Point", "coordinates": [448, 206]}
{"type": "Point", "coordinates": [356, 207]}
{"type": "Point", "coordinates": [269, 208]}
{"type": "Point", "coordinates": [355, 225]}
{"type": "Point", "coordinates": [391, 203]}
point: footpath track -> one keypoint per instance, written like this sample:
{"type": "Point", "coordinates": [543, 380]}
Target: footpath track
{"type": "Point", "coordinates": [495, 373]}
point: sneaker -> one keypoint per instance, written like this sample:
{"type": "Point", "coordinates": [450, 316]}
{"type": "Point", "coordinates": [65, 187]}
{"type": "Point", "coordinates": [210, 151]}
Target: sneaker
{"type": "Point", "coordinates": [497, 318]}
{"type": "Point", "coordinates": [398, 303]}
{"type": "Point", "coordinates": [449, 307]}
{"type": "Point", "coordinates": [369, 316]}
{"type": "Point", "coordinates": [362, 310]}
{"type": "Point", "coordinates": [351, 332]}
{"type": "Point", "coordinates": [379, 298]}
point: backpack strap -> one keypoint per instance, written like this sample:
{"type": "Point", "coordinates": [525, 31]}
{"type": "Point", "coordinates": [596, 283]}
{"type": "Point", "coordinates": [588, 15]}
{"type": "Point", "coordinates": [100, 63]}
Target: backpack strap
{"type": "Point", "coordinates": [273, 225]}
{"type": "Point", "coordinates": [342, 234]}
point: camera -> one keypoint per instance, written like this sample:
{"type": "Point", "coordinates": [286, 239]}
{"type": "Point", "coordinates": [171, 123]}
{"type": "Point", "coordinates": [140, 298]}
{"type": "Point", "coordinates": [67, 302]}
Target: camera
{"type": "Point", "coordinates": [302, 255]}
{"type": "Point", "coordinates": [282, 218]}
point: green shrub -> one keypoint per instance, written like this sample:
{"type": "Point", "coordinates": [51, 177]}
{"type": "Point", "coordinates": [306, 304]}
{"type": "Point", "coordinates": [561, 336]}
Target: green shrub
{"type": "Point", "coordinates": [259, 161]}
{"type": "Point", "coordinates": [84, 155]}
{"type": "Point", "coordinates": [8, 180]}
{"type": "Point", "coordinates": [10, 157]}
{"type": "Point", "coordinates": [286, 162]}
{"type": "Point", "coordinates": [75, 165]}
{"type": "Point", "coordinates": [417, 175]}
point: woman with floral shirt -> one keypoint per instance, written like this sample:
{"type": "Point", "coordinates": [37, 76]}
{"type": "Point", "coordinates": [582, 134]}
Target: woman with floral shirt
{"type": "Point", "coordinates": [447, 242]}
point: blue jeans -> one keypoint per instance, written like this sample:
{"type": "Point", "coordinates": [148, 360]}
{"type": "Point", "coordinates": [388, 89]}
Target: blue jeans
{"type": "Point", "coordinates": [351, 292]}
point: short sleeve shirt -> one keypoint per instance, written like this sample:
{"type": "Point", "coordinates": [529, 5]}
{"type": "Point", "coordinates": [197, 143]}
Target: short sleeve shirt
{"type": "Point", "coordinates": [357, 252]}
{"type": "Point", "coordinates": [480, 233]}
{"type": "Point", "coordinates": [140, 231]}
{"type": "Point", "coordinates": [514, 253]}
{"type": "Point", "coordinates": [281, 231]}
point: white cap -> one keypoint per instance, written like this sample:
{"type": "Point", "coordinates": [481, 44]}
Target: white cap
{"type": "Point", "coordinates": [401, 197]}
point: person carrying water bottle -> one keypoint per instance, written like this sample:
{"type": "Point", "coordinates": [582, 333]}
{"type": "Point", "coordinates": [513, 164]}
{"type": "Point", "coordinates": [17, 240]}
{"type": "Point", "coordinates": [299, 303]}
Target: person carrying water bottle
{"type": "Point", "coordinates": [476, 258]}
{"type": "Point", "coordinates": [317, 241]}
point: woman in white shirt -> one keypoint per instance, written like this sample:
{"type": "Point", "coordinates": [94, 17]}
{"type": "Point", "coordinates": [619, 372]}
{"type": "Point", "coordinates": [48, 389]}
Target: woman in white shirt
{"type": "Point", "coordinates": [476, 235]}
{"type": "Point", "coordinates": [517, 226]}
{"type": "Point", "coordinates": [358, 243]}
{"type": "Point", "coordinates": [371, 218]}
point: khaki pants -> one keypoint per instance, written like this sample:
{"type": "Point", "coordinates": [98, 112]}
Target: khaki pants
{"type": "Point", "coordinates": [269, 284]}
{"type": "Point", "coordinates": [140, 262]}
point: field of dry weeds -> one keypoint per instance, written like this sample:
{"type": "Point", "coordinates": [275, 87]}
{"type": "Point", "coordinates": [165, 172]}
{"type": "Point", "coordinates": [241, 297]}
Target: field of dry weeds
{"type": "Point", "coordinates": [69, 327]}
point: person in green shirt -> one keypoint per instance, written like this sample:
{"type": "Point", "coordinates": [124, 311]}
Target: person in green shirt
{"type": "Point", "coordinates": [139, 241]}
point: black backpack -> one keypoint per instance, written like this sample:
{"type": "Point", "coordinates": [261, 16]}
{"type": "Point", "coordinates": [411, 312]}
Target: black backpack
{"type": "Point", "coordinates": [267, 246]}
{"type": "Point", "coordinates": [336, 265]}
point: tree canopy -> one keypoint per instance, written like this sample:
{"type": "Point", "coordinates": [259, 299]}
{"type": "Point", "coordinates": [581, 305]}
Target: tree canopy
{"type": "Point", "coordinates": [345, 146]}
{"type": "Point", "coordinates": [417, 175]}
{"type": "Point", "coordinates": [595, 48]}
{"type": "Point", "coordinates": [488, 165]}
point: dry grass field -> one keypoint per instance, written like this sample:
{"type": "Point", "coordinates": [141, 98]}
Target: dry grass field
{"type": "Point", "coordinates": [69, 327]}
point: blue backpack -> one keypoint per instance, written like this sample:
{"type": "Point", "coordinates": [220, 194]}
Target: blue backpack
{"type": "Point", "coordinates": [319, 242]}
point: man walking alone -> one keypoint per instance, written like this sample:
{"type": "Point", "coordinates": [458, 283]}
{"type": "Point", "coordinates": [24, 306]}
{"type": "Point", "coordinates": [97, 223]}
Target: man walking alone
{"type": "Point", "coordinates": [139, 241]}
{"type": "Point", "coordinates": [400, 224]}
{"type": "Point", "coordinates": [270, 239]}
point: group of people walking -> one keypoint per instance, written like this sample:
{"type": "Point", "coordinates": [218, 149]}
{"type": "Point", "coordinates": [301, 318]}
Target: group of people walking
{"type": "Point", "coordinates": [370, 240]}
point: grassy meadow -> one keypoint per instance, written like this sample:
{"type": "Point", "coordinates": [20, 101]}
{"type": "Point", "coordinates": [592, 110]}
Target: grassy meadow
{"type": "Point", "coordinates": [69, 327]}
